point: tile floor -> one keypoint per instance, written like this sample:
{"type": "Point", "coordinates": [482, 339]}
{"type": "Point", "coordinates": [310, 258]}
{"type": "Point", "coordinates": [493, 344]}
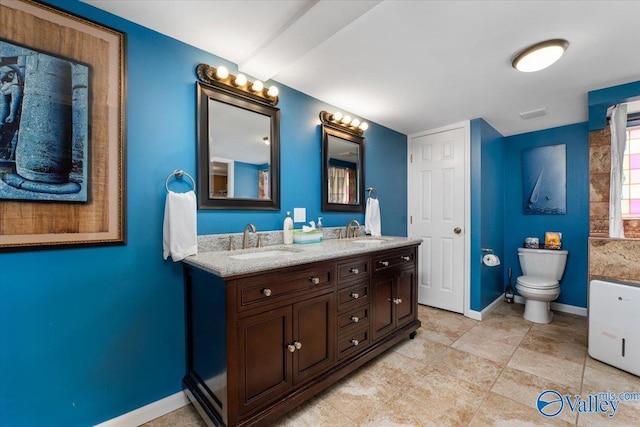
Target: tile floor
{"type": "Point", "coordinates": [462, 372]}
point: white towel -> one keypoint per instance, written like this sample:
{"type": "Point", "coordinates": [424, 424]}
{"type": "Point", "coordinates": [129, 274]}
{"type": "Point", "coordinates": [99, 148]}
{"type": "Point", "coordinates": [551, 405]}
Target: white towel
{"type": "Point", "coordinates": [179, 235]}
{"type": "Point", "coordinates": [372, 217]}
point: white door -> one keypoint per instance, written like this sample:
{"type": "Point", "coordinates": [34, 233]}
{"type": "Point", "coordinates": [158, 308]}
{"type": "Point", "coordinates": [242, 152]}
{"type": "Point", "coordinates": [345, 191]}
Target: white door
{"type": "Point", "coordinates": [437, 212]}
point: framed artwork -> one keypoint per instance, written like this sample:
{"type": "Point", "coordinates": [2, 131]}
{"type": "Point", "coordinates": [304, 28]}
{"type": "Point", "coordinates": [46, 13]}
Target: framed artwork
{"type": "Point", "coordinates": [62, 130]}
{"type": "Point", "coordinates": [544, 180]}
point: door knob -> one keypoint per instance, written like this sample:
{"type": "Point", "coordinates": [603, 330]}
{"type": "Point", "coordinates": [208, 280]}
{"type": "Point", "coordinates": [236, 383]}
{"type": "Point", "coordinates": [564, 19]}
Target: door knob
{"type": "Point", "coordinates": [457, 230]}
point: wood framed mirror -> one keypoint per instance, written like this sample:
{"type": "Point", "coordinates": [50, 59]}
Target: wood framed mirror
{"type": "Point", "coordinates": [238, 150]}
{"type": "Point", "coordinates": [342, 167]}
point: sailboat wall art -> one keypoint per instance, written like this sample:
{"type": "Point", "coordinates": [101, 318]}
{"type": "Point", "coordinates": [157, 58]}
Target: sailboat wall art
{"type": "Point", "coordinates": [544, 180]}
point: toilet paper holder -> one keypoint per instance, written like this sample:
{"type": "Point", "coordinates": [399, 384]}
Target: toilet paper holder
{"type": "Point", "coordinates": [489, 258]}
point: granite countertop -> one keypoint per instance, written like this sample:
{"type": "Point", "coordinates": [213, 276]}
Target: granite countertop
{"type": "Point", "coordinates": [222, 262]}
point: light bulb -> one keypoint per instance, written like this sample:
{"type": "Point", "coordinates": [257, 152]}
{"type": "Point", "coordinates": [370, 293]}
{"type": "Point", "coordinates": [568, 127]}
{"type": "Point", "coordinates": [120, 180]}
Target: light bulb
{"type": "Point", "coordinates": [355, 123]}
{"type": "Point", "coordinates": [222, 73]}
{"type": "Point", "coordinates": [273, 91]}
{"type": "Point", "coordinates": [257, 86]}
{"type": "Point", "coordinates": [240, 80]}
{"type": "Point", "coordinates": [364, 126]}
{"type": "Point", "coordinates": [346, 120]}
{"type": "Point", "coordinates": [337, 116]}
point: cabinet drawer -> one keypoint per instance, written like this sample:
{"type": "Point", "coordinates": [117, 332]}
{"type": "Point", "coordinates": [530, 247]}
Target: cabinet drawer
{"type": "Point", "coordinates": [353, 296]}
{"type": "Point", "coordinates": [394, 260]}
{"type": "Point", "coordinates": [357, 268]}
{"type": "Point", "coordinates": [354, 318]}
{"type": "Point", "coordinates": [352, 343]}
{"type": "Point", "coordinates": [256, 291]}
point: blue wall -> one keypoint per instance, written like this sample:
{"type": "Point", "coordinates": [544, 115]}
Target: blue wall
{"type": "Point", "coordinates": [89, 334]}
{"type": "Point", "coordinates": [574, 225]}
{"type": "Point", "coordinates": [600, 100]}
{"type": "Point", "coordinates": [487, 213]}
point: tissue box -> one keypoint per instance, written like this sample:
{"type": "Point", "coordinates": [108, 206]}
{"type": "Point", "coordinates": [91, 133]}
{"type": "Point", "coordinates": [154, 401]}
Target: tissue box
{"type": "Point", "coordinates": [314, 236]}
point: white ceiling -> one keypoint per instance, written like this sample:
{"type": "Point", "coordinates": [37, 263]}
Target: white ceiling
{"type": "Point", "coordinates": [414, 65]}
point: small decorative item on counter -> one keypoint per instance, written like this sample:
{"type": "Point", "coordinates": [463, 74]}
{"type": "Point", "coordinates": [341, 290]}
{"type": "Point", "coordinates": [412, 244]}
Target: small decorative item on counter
{"type": "Point", "coordinates": [319, 225]}
{"type": "Point", "coordinates": [532, 243]}
{"type": "Point", "coordinates": [308, 234]}
{"type": "Point", "coordinates": [552, 240]}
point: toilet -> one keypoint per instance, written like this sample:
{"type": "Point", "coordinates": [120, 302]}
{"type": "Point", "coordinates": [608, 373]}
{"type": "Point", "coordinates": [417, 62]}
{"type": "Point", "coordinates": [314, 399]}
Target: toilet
{"type": "Point", "coordinates": [542, 268]}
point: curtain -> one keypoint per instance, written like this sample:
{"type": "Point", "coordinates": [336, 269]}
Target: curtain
{"type": "Point", "coordinates": [338, 185]}
{"type": "Point", "coordinates": [618, 125]}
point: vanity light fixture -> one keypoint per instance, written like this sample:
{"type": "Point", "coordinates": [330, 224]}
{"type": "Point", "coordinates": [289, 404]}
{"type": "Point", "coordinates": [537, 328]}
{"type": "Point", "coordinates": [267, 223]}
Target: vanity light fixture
{"type": "Point", "coordinates": [344, 122]}
{"type": "Point", "coordinates": [239, 84]}
{"type": "Point", "coordinates": [540, 55]}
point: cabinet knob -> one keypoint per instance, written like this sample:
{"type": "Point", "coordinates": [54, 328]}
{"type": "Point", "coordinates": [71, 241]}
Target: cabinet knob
{"type": "Point", "coordinates": [266, 292]}
{"type": "Point", "coordinates": [291, 348]}
{"type": "Point", "coordinates": [354, 295]}
{"type": "Point", "coordinates": [354, 271]}
{"type": "Point", "coordinates": [384, 263]}
{"type": "Point", "coordinates": [355, 342]}
{"type": "Point", "coordinates": [406, 258]}
{"type": "Point", "coordinates": [355, 319]}
{"type": "Point", "coordinates": [314, 280]}
{"type": "Point", "coordinates": [397, 301]}
{"type": "Point", "coordinates": [297, 345]}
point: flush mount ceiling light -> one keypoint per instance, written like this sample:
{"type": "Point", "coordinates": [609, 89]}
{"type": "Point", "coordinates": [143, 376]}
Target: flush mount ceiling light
{"type": "Point", "coordinates": [540, 55]}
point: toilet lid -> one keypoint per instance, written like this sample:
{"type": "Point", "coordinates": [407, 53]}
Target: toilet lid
{"type": "Point", "coordinates": [537, 282]}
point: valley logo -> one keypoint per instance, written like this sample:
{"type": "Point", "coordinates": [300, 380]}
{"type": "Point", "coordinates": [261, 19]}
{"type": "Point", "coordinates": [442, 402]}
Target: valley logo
{"type": "Point", "coordinates": [550, 402]}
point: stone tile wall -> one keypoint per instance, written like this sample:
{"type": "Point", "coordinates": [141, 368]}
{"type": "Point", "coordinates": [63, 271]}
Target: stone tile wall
{"type": "Point", "coordinates": [614, 259]}
{"type": "Point", "coordinates": [599, 180]}
{"type": "Point", "coordinates": [608, 258]}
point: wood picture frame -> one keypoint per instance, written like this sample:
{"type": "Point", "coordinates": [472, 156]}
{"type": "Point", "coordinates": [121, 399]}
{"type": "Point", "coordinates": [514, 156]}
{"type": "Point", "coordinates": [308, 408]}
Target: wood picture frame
{"type": "Point", "coordinates": [33, 33]}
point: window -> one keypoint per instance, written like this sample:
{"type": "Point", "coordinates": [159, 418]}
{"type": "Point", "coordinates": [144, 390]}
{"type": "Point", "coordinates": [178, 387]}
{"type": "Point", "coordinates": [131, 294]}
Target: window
{"type": "Point", "coordinates": [631, 172]}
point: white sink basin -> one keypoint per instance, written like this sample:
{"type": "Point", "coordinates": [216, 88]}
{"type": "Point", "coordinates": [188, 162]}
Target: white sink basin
{"type": "Point", "coordinates": [261, 254]}
{"type": "Point", "coordinates": [368, 241]}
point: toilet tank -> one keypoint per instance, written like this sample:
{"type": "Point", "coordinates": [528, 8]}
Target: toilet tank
{"type": "Point", "coordinates": [545, 263]}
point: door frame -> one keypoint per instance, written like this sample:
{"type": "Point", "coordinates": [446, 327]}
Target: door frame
{"type": "Point", "coordinates": [466, 126]}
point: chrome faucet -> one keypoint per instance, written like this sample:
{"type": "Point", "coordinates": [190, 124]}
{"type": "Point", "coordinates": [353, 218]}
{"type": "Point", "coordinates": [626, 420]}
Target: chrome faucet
{"type": "Point", "coordinates": [353, 230]}
{"type": "Point", "coordinates": [245, 236]}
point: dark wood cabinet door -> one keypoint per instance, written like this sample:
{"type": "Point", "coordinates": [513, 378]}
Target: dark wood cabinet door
{"type": "Point", "coordinates": [382, 305]}
{"type": "Point", "coordinates": [313, 325]}
{"type": "Point", "coordinates": [265, 366]}
{"type": "Point", "coordinates": [405, 293]}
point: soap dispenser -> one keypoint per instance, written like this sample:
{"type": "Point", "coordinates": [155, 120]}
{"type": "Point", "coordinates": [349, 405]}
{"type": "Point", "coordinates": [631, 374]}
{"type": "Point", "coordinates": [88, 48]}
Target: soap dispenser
{"type": "Point", "coordinates": [319, 224]}
{"type": "Point", "coordinates": [287, 230]}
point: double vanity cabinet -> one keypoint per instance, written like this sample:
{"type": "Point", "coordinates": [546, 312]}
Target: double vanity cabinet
{"type": "Point", "coordinates": [265, 335]}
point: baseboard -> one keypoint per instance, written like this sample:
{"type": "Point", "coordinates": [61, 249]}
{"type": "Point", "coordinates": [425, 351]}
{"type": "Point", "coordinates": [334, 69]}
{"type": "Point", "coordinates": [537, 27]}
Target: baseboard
{"type": "Point", "coordinates": [556, 306]}
{"type": "Point", "coordinates": [148, 412]}
{"type": "Point", "coordinates": [479, 315]}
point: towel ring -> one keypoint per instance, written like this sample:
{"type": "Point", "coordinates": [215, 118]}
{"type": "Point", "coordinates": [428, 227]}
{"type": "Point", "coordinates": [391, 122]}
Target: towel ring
{"type": "Point", "coordinates": [372, 191]}
{"type": "Point", "coordinates": [179, 173]}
